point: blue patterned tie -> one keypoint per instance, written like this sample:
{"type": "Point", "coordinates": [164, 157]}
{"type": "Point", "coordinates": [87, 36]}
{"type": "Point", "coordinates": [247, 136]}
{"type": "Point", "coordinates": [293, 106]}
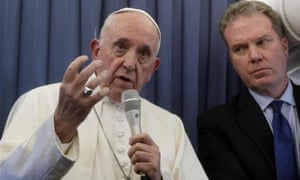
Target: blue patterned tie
{"type": "Point", "coordinates": [286, 167]}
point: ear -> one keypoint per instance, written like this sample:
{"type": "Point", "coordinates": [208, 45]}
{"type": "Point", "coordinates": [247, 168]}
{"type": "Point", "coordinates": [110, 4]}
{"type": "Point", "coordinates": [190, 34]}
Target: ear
{"type": "Point", "coordinates": [285, 45]}
{"type": "Point", "coordinates": [156, 65]}
{"type": "Point", "coordinates": [95, 48]}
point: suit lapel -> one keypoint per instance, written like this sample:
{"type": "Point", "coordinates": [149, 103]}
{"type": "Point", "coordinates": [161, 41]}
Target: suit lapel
{"type": "Point", "coordinates": [253, 121]}
{"type": "Point", "coordinates": [296, 91]}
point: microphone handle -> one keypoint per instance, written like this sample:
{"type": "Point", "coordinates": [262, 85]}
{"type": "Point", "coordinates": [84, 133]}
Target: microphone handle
{"type": "Point", "coordinates": [134, 121]}
{"type": "Point", "coordinates": [145, 177]}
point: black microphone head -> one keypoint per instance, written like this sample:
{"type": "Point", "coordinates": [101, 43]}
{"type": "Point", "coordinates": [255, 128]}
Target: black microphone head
{"type": "Point", "coordinates": [130, 99]}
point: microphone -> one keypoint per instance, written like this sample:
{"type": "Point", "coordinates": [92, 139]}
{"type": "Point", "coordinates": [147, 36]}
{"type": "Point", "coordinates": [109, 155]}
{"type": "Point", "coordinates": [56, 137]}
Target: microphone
{"type": "Point", "coordinates": [132, 105]}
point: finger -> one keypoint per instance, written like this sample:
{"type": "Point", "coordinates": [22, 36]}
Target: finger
{"type": "Point", "coordinates": [95, 82]}
{"type": "Point", "coordinates": [141, 138]}
{"type": "Point", "coordinates": [73, 68]}
{"type": "Point", "coordinates": [139, 147]}
{"type": "Point", "coordinates": [111, 70]}
{"type": "Point", "coordinates": [99, 94]}
{"type": "Point", "coordinates": [134, 148]}
{"type": "Point", "coordinates": [146, 164]}
{"type": "Point", "coordinates": [140, 142]}
{"type": "Point", "coordinates": [88, 71]}
{"type": "Point", "coordinates": [141, 156]}
{"type": "Point", "coordinates": [146, 169]}
{"type": "Point", "coordinates": [142, 167]}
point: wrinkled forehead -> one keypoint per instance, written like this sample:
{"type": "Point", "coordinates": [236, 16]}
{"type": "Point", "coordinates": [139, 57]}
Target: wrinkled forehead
{"type": "Point", "coordinates": [133, 26]}
{"type": "Point", "coordinates": [140, 12]}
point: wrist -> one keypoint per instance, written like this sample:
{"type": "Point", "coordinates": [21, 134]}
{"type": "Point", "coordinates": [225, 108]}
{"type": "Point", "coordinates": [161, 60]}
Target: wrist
{"type": "Point", "coordinates": [64, 131]}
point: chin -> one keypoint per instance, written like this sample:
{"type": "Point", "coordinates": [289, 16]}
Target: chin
{"type": "Point", "coordinates": [115, 96]}
{"type": "Point", "coordinates": [262, 85]}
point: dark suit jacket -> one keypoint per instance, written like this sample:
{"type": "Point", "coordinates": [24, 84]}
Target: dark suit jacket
{"type": "Point", "coordinates": [235, 141]}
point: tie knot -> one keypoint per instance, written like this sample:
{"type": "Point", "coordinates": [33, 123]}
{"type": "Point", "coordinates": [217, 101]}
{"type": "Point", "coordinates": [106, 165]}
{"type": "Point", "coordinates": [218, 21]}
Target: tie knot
{"type": "Point", "coordinates": [276, 105]}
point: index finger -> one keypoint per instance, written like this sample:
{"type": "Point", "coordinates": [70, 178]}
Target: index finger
{"type": "Point", "coordinates": [141, 138]}
{"type": "Point", "coordinates": [73, 68]}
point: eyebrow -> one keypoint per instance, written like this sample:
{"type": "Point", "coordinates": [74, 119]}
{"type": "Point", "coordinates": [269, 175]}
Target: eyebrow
{"type": "Point", "coordinates": [121, 40]}
{"type": "Point", "coordinates": [257, 38]}
{"type": "Point", "coordinates": [126, 40]}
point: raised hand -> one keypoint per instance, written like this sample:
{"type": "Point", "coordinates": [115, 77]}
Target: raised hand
{"type": "Point", "coordinates": [73, 105]}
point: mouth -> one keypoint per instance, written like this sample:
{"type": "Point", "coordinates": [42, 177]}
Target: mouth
{"type": "Point", "coordinates": [260, 71]}
{"type": "Point", "coordinates": [124, 82]}
{"type": "Point", "coordinates": [124, 78]}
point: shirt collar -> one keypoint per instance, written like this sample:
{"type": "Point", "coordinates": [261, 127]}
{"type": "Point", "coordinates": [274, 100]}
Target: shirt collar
{"type": "Point", "coordinates": [264, 101]}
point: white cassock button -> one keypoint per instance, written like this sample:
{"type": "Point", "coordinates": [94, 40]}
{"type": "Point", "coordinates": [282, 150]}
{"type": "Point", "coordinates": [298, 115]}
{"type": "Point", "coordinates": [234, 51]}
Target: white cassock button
{"type": "Point", "coordinates": [124, 165]}
{"type": "Point", "coordinates": [120, 119]}
{"type": "Point", "coordinates": [120, 150]}
{"type": "Point", "coordinates": [120, 134]}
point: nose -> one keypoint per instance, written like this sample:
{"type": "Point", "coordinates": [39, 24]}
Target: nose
{"type": "Point", "coordinates": [130, 60]}
{"type": "Point", "coordinates": [254, 54]}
